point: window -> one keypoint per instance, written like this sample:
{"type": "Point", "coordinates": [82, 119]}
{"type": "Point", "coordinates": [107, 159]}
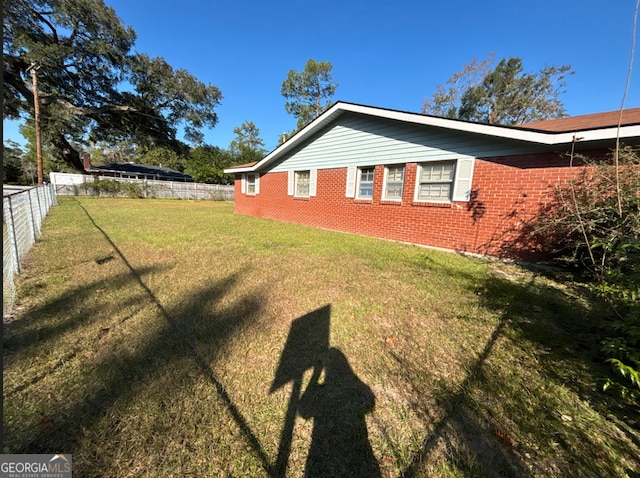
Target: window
{"type": "Point", "coordinates": [303, 179]}
{"type": "Point", "coordinates": [394, 183]}
{"type": "Point", "coordinates": [435, 181]}
{"type": "Point", "coordinates": [302, 184]}
{"type": "Point", "coordinates": [365, 183]}
{"type": "Point", "coordinates": [251, 183]}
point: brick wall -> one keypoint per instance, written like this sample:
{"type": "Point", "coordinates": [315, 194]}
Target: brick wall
{"type": "Point", "coordinates": [506, 192]}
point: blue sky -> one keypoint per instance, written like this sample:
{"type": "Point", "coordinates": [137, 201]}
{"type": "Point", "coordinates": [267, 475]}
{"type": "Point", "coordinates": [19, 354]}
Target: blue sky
{"type": "Point", "coordinates": [390, 54]}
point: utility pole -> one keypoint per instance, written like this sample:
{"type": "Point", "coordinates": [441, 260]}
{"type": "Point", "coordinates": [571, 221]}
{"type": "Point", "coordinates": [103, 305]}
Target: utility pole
{"type": "Point", "coordinates": [36, 107]}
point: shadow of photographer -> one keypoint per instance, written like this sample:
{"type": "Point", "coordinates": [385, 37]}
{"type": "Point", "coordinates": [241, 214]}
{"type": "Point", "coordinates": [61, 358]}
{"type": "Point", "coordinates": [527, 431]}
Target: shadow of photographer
{"type": "Point", "coordinates": [335, 398]}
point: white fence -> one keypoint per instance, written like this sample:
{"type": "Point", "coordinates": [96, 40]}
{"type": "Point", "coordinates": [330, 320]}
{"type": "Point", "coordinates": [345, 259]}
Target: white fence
{"type": "Point", "coordinates": [80, 185]}
{"type": "Point", "coordinates": [23, 210]}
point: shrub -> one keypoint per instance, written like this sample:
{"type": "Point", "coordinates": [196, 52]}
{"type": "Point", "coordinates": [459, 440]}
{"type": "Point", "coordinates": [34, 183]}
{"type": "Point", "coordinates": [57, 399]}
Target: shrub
{"type": "Point", "coordinates": [595, 220]}
{"type": "Point", "coordinates": [111, 187]}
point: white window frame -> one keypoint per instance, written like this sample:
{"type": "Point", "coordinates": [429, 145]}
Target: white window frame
{"type": "Point", "coordinates": [292, 182]}
{"type": "Point", "coordinates": [297, 184]}
{"type": "Point", "coordinates": [359, 182]}
{"type": "Point", "coordinates": [450, 182]}
{"type": "Point", "coordinates": [385, 196]}
{"type": "Point", "coordinates": [251, 184]}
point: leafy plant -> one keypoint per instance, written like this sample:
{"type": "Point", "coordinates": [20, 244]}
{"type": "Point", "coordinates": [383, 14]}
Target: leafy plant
{"type": "Point", "coordinates": [595, 220]}
{"type": "Point", "coordinates": [111, 187]}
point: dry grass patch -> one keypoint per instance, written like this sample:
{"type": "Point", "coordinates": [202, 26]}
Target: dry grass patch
{"type": "Point", "coordinates": [167, 338]}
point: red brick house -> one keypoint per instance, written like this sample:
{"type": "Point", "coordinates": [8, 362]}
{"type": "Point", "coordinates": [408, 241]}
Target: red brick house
{"type": "Point", "coordinates": [426, 180]}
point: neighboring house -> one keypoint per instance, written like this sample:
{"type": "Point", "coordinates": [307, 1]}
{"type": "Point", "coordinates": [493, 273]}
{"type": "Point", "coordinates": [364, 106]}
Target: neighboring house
{"type": "Point", "coordinates": [422, 179]}
{"type": "Point", "coordinates": [134, 171]}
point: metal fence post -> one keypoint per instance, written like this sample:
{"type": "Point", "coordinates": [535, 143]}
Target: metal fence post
{"type": "Point", "coordinates": [12, 228]}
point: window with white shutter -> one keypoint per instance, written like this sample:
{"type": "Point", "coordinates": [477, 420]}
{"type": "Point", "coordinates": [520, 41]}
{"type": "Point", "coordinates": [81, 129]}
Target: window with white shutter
{"type": "Point", "coordinates": [302, 183]}
{"type": "Point", "coordinates": [435, 181]}
{"type": "Point", "coordinates": [251, 184]}
{"type": "Point", "coordinates": [364, 189]}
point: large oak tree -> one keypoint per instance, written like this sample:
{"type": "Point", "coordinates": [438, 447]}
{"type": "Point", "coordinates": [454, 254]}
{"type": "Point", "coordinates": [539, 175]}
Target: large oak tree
{"type": "Point", "coordinates": [92, 85]}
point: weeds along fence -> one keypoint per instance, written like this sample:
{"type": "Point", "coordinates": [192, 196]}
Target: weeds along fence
{"type": "Point", "coordinates": [85, 185]}
{"type": "Point", "coordinates": [23, 210]}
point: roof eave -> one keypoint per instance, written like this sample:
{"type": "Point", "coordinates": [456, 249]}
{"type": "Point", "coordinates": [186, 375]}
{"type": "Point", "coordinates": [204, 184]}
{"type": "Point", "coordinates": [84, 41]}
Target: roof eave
{"type": "Point", "coordinates": [292, 142]}
{"type": "Point", "coordinates": [506, 132]}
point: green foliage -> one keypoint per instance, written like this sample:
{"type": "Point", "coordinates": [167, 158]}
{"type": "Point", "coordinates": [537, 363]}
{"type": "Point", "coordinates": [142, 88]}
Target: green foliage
{"type": "Point", "coordinates": [445, 101]}
{"type": "Point", "coordinates": [505, 95]}
{"type": "Point", "coordinates": [165, 157]}
{"type": "Point", "coordinates": [620, 287]}
{"type": "Point", "coordinates": [107, 153]}
{"type": "Point", "coordinates": [307, 90]}
{"type": "Point", "coordinates": [596, 222]}
{"type": "Point", "coordinates": [113, 188]}
{"type": "Point", "coordinates": [206, 164]}
{"type": "Point", "coordinates": [51, 161]}
{"type": "Point", "coordinates": [92, 87]}
{"type": "Point", "coordinates": [12, 172]}
{"type": "Point", "coordinates": [247, 146]}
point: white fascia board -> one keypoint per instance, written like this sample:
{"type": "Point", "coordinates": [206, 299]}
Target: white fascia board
{"type": "Point", "coordinates": [629, 131]}
{"type": "Point", "coordinates": [515, 133]}
{"type": "Point", "coordinates": [239, 170]}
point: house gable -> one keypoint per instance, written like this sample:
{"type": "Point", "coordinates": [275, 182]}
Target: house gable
{"type": "Point", "coordinates": [358, 140]}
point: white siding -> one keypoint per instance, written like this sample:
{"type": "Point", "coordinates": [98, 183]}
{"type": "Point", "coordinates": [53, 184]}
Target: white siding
{"type": "Point", "coordinates": [356, 140]}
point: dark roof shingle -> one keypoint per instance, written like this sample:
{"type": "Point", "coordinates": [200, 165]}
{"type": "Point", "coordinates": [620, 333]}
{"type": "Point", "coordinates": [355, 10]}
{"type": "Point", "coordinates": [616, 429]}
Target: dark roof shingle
{"type": "Point", "coordinates": [591, 121]}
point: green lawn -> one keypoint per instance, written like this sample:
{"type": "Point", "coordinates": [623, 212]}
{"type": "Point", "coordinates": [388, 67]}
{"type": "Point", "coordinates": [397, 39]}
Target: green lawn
{"type": "Point", "coordinates": [174, 338]}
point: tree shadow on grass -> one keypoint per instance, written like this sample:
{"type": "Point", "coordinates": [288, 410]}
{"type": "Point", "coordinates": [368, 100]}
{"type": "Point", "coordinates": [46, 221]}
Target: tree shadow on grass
{"type": "Point", "coordinates": [41, 325]}
{"type": "Point", "coordinates": [567, 335]}
{"type": "Point", "coordinates": [470, 439]}
{"type": "Point", "coordinates": [186, 342]}
{"type": "Point", "coordinates": [495, 403]}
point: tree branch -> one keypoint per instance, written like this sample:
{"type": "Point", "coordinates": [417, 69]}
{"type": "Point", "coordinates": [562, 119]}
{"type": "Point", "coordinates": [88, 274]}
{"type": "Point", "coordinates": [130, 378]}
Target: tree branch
{"type": "Point", "coordinates": [82, 111]}
{"type": "Point", "coordinates": [68, 152]}
{"type": "Point", "coordinates": [43, 19]}
{"type": "Point", "coordinates": [16, 82]}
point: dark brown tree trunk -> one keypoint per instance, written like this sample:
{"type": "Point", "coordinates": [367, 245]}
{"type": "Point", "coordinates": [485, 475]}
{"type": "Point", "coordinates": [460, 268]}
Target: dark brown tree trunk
{"type": "Point", "coordinates": [68, 153]}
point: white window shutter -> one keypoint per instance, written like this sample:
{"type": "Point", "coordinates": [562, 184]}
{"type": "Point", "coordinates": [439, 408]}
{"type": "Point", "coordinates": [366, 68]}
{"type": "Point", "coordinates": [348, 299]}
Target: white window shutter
{"type": "Point", "coordinates": [243, 184]}
{"type": "Point", "coordinates": [290, 183]}
{"type": "Point", "coordinates": [313, 182]}
{"type": "Point", "coordinates": [351, 181]}
{"type": "Point", "coordinates": [257, 183]}
{"type": "Point", "coordinates": [464, 175]}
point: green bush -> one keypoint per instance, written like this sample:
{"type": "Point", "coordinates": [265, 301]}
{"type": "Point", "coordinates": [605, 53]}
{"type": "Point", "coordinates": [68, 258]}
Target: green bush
{"type": "Point", "coordinates": [111, 187]}
{"type": "Point", "coordinates": [595, 220]}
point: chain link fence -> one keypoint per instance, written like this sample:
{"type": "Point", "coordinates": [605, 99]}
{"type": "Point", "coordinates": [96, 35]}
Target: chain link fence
{"type": "Point", "coordinates": [23, 210]}
{"type": "Point", "coordinates": [86, 185]}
